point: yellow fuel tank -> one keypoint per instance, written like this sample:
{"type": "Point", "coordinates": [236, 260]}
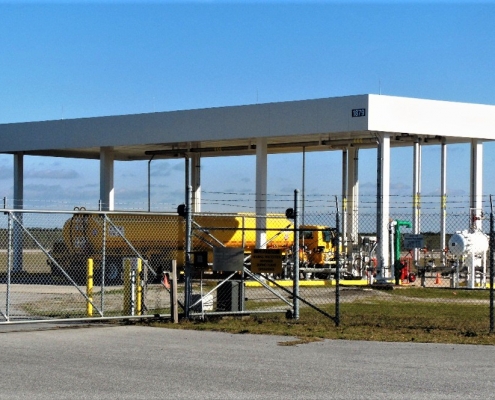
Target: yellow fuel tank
{"type": "Point", "coordinates": [83, 233]}
{"type": "Point", "coordinates": [240, 230]}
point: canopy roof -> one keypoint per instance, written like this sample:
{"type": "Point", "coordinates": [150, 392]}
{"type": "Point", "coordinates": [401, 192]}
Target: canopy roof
{"type": "Point", "coordinates": [320, 124]}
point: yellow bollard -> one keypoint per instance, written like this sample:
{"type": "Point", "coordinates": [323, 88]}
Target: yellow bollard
{"type": "Point", "coordinates": [89, 288]}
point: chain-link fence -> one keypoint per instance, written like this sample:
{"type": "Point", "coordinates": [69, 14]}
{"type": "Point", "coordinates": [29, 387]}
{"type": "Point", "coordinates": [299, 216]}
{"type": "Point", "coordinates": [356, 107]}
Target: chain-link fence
{"type": "Point", "coordinates": [245, 264]}
{"type": "Point", "coordinates": [84, 264]}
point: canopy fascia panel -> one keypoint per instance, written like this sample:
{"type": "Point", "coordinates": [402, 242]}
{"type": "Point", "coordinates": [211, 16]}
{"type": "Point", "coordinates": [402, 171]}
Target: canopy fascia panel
{"type": "Point", "coordinates": [431, 118]}
{"type": "Point", "coordinates": [315, 125]}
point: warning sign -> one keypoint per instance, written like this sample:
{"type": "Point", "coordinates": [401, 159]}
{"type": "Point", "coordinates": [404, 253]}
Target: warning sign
{"type": "Point", "coordinates": [413, 241]}
{"type": "Point", "coordinates": [228, 259]}
{"type": "Point", "coordinates": [266, 260]}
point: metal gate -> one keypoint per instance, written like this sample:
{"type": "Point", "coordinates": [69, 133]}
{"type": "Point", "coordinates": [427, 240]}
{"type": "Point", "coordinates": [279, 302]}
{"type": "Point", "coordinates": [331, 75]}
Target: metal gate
{"type": "Point", "coordinates": [250, 264]}
{"type": "Point", "coordinates": [85, 264]}
{"type": "Point", "coordinates": [57, 265]}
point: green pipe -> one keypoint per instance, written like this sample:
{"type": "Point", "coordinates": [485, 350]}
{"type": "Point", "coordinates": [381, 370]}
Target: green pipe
{"type": "Point", "coordinates": [398, 224]}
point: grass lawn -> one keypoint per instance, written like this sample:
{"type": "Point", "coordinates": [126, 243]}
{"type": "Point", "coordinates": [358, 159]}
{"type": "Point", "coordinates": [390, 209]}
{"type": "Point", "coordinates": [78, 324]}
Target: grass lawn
{"type": "Point", "coordinates": [409, 315]}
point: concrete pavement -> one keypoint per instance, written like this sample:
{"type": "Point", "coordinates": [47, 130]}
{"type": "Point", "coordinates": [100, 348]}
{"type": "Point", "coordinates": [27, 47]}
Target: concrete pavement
{"type": "Point", "coordinates": [134, 362]}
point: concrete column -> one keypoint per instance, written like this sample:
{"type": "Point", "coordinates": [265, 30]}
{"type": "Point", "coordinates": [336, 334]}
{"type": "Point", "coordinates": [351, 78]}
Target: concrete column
{"type": "Point", "coordinates": [196, 183]}
{"type": "Point", "coordinates": [443, 193]}
{"type": "Point", "coordinates": [383, 205]}
{"type": "Point", "coordinates": [18, 181]}
{"type": "Point", "coordinates": [17, 240]}
{"type": "Point", "coordinates": [261, 190]}
{"type": "Point", "coordinates": [353, 195]}
{"type": "Point", "coordinates": [476, 184]}
{"type": "Point", "coordinates": [106, 179]}
{"type": "Point", "coordinates": [416, 192]}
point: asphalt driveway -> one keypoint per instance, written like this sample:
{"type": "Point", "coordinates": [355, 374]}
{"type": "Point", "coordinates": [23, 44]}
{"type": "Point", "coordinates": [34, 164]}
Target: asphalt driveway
{"type": "Point", "coordinates": [132, 362]}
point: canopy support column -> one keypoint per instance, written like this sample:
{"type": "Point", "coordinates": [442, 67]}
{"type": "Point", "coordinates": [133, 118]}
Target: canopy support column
{"type": "Point", "coordinates": [18, 205]}
{"type": "Point", "coordinates": [353, 195]}
{"type": "Point", "coordinates": [416, 192]}
{"type": "Point", "coordinates": [196, 183]}
{"type": "Point", "coordinates": [383, 205]}
{"type": "Point", "coordinates": [443, 206]}
{"type": "Point", "coordinates": [345, 177]}
{"type": "Point", "coordinates": [106, 179]}
{"type": "Point", "coordinates": [261, 190]}
{"type": "Point", "coordinates": [476, 184]}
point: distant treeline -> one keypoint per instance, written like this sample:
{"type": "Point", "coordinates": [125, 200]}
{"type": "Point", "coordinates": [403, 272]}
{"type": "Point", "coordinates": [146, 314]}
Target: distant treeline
{"type": "Point", "coordinates": [431, 239]}
{"type": "Point", "coordinates": [45, 236]}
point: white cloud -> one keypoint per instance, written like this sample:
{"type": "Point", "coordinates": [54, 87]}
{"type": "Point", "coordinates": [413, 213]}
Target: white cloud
{"type": "Point", "coordinates": [6, 172]}
{"type": "Point", "coordinates": [52, 174]}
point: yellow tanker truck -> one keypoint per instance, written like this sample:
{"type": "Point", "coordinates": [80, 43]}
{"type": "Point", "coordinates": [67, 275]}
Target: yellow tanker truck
{"type": "Point", "coordinates": [160, 238]}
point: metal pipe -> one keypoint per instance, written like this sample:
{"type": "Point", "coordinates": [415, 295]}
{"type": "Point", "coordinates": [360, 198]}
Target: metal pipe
{"type": "Point", "coordinates": [337, 267]}
{"type": "Point", "coordinates": [303, 184]}
{"type": "Point", "coordinates": [9, 267]}
{"type": "Point", "coordinates": [492, 272]}
{"type": "Point", "coordinates": [188, 267]}
{"type": "Point", "coordinates": [416, 192]}
{"type": "Point", "coordinates": [332, 143]}
{"type": "Point", "coordinates": [103, 265]}
{"type": "Point", "coordinates": [174, 303]}
{"type": "Point", "coordinates": [295, 281]}
{"type": "Point", "coordinates": [345, 173]}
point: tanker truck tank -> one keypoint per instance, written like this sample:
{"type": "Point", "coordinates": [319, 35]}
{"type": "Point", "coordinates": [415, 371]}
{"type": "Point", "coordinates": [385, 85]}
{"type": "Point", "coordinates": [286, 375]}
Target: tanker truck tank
{"type": "Point", "coordinates": [158, 238]}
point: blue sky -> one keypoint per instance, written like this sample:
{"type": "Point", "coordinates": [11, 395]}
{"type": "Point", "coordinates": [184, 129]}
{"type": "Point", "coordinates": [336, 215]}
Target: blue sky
{"type": "Point", "coordinates": [82, 59]}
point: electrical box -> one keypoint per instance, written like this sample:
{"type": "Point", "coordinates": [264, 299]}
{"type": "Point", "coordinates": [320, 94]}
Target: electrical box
{"type": "Point", "coordinates": [230, 296]}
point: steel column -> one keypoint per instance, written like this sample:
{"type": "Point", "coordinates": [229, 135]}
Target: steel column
{"type": "Point", "coordinates": [476, 183]}
{"type": "Point", "coordinates": [353, 195]}
{"type": "Point", "coordinates": [17, 240]}
{"type": "Point", "coordinates": [261, 191]}
{"type": "Point", "coordinates": [295, 281]}
{"type": "Point", "coordinates": [416, 192]}
{"type": "Point", "coordinates": [196, 183]}
{"type": "Point", "coordinates": [106, 179]}
{"type": "Point", "coordinates": [345, 162]}
{"type": "Point", "coordinates": [383, 204]}
{"type": "Point", "coordinates": [443, 205]}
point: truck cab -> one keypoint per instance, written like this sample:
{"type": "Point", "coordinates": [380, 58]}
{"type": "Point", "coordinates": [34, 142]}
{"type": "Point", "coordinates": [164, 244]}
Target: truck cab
{"type": "Point", "coordinates": [319, 244]}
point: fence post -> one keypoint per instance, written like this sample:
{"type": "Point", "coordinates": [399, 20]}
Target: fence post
{"type": "Point", "coordinates": [174, 303]}
{"type": "Point", "coordinates": [337, 266]}
{"type": "Point", "coordinates": [128, 306]}
{"type": "Point", "coordinates": [9, 268]}
{"type": "Point", "coordinates": [492, 272]}
{"type": "Point", "coordinates": [295, 282]}
{"type": "Point", "coordinates": [102, 266]}
{"type": "Point", "coordinates": [187, 277]}
{"type": "Point", "coordinates": [139, 287]}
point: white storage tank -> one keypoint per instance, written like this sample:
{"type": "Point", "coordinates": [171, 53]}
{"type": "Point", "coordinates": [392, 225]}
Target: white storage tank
{"type": "Point", "coordinates": [465, 242]}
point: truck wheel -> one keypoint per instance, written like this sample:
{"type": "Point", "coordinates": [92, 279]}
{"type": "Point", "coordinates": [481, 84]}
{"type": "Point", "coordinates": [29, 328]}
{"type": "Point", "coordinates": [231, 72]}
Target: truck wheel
{"type": "Point", "coordinates": [113, 273]}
